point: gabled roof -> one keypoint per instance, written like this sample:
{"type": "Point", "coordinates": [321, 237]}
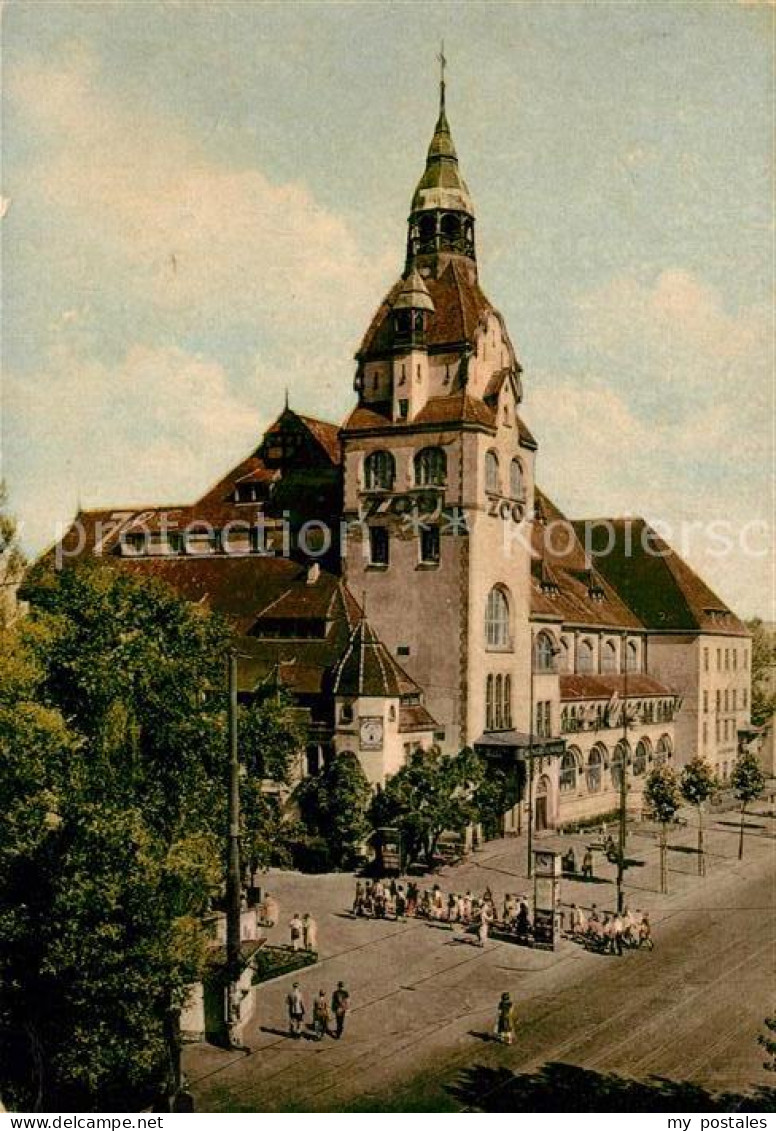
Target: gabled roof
{"type": "Point", "coordinates": [573, 687]}
{"type": "Point", "coordinates": [367, 668]}
{"type": "Point", "coordinates": [661, 588]}
{"type": "Point", "coordinates": [453, 410]}
{"type": "Point", "coordinates": [323, 432]}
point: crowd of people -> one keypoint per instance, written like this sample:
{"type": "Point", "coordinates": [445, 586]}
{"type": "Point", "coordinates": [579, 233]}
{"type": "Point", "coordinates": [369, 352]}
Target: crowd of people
{"type": "Point", "coordinates": [389, 899]}
{"type": "Point", "coordinates": [610, 933]}
{"type": "Point", "coordinates": [324, 1011]}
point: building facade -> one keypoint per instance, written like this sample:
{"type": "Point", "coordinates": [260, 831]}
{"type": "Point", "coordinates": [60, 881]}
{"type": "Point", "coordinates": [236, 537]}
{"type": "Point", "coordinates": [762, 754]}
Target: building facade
{"type": "Point", "coordinates": [405, 577]}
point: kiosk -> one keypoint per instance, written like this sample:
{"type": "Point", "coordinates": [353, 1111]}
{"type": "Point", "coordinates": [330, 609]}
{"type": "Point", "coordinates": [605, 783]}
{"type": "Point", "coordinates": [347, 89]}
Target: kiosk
{"type": "Point", "coordinates": [547, 873]}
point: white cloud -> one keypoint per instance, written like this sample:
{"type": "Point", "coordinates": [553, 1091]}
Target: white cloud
{"type": "Point", "coordinates": [670, 418]}
{"type": "Point", "coordinates": [196, 237]}
{"type": "Point", "coordinates": [156, 428]}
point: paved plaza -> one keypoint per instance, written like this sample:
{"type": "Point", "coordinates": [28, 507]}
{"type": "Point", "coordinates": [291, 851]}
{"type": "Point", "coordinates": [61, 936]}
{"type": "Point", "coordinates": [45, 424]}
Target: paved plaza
{"type": "Point", "coordinates": [423, 997]}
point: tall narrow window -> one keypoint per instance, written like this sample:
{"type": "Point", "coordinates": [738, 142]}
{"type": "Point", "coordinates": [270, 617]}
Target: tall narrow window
{"type": "Point", "coordinates": [489, 713]}
{"type": "Point", "coordinates": [568, 772]}
{"type": "Point", "coordinates": [632, 656]}
{"type": "Point", "coordinates": [585, 656]}
{"type": "Point", "coordinates": [430, 468]}
{"type": "Point", "coordinates": [379, 471]}
{"type": "Point", "coordinates": [516, 480]}
{"type": "Point", "coordinates": [508, 702]}
{"type": "Point", "coordinates": [499, 713]}
{"type": "Point", "coordinates": [492, 477]}
{"type": "Point", "coordinates": [544, 653]}
{"type": "Point", "coordinates": [594, 770]}
{"type": "Point", "coordinates": [379, 546]}
{"type": "Point", "coordinates": [609, 657]}
{"type": "Point", "coordinates": [497, 634]}
{"type": "Point", "coordinates": [429, 545]}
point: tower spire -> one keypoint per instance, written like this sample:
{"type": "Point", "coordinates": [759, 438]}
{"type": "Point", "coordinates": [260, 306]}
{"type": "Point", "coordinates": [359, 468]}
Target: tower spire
{"type": "Point", "coordinates": [442, 64]}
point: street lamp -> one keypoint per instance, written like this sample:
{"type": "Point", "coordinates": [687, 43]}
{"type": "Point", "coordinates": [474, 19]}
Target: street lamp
{"type": "Point", "coordinates": [623, 782]}
{"type": "Point", "coordinates": [554, 652]}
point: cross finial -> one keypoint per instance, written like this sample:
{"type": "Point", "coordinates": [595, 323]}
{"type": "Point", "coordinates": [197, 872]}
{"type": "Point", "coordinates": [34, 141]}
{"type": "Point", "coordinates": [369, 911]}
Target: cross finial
{"type": "Point", "coordinates": [442, 64]}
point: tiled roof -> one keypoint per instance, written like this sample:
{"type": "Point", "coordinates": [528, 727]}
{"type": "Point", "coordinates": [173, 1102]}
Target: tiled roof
{"type": "Point", "coordinates": [415, 718]}
{"type": "Point", "coordinates": [368, 668]}
{"type": "Point", "coordinates": [323, 431]}
{"type": "Point", "coordinates": [459, 305]}
{"type": "Point", "coordinates": [656, 583]}
{"type": "Point", "coordinates": [605, 686]}
{"type": "Point", "coordinates": [565, 595]}
{"type": "Point", "coordinates": [453, 410]}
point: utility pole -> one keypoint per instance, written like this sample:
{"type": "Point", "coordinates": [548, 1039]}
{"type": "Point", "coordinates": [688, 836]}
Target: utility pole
{"type": "Point", "coordinates": [623, 782]}
{"type": "Point", "coordinates": [530, 766]}
{"type": "Point", "coordinates": [233, 875]}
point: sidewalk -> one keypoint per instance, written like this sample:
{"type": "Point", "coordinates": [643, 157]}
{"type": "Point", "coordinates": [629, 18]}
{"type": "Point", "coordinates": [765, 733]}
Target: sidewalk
{"type": "Point", "coordinates": [417, 989]}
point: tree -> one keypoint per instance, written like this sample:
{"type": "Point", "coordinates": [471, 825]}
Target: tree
{"type": "Point", "coordinates": [662, 798]}
{"type": "Point", "coordinates": [11, 560]}
{"type": "Point", "coordinates": [768, 1042]}
{"type": "Point", "coordinates": [432, 793]}
{"type": "Point", "coordinates": [697, 785]}
{"type": "Point", "coordinates": [334, 805]}
{"type": "Point", "coordinates": [271, 734]}
{"type": "Point", "coordinates": [748, 782]}
{"type": "Point", "coordinates": [112, 786]}
{"type": "Point", "coordinates": [763, 660]}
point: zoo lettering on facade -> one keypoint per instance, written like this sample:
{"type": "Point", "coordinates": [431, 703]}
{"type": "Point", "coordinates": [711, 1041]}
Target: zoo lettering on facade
{"type": "Point", "coordinates": [430, 506]}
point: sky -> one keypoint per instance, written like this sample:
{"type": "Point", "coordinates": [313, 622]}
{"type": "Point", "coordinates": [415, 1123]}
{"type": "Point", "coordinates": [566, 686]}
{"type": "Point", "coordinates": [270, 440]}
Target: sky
{"type": "Point", "coordinates": [203, 203]}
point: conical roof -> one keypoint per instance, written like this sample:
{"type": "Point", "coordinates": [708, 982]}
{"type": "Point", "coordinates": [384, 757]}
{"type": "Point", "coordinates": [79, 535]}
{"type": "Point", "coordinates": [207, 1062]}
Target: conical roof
{"type": "Point", "coordinates": [368, 668]}
{"type": "Point", "coordinates": [442, 185]}
{"type": "Point", "coordinates": [414, 295]}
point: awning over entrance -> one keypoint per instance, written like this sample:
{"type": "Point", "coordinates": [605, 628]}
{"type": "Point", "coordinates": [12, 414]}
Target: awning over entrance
{"type": "Point", "coordinates": [522, 744]}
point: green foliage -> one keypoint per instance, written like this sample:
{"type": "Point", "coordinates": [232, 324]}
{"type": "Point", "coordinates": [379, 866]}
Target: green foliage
{"type": "Point", "coordinates": [429, 795]}
{"type": "Point", "coordinates": [768, 1042]}
{"type": "Point", "coordinates": [662, 795]}
{"type": "Point", "coordinates": [697, 782]}
{"type": "Point", "coordinates": [11, 560]}
{"type": "Point", "coordinates": [334, 806]}
{"type": "Point", "coordinates": [747, 777]}
{"type": "Point", "coordinates": [112, 771]}
{"type": "Point", "coordinates": [763, 660]}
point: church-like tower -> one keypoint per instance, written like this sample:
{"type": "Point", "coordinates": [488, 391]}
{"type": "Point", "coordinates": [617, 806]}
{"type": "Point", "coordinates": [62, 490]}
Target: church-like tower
{"type": "Point", "coordinates": [439, 472]}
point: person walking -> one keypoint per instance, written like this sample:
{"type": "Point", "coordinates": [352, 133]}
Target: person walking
{"type": "Point", "coordinates": [321, 1015]}
{"type": "Point", "coordinates": [309, 932]}
{"type": "Point", "coordinates": [358, 899]}
{"type": "Point", "coordinates": [412, 898]}
{"type": "Point", "coordinates": [587, 865]}
{"type": "Point", "coordinates": [505, 1021]}
{"type": "Point", "coordinates": [296, 929]}
{"type": "Point", "coordinates": [269, 910]}
{"type": "Point", "coordinates": [401, 903]}
{"type": "Point", "coordinates": [616, 934]}
{"type": "Point", "coordinates": [296, 1011]}
{"type": "Point", "coordinates": [340, 1004]}
{"type": "Point", "coordinates": [486, 919]}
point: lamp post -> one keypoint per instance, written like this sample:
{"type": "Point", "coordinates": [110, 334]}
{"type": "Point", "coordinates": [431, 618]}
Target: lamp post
{"type": "Point", "coordinates": [233, 875]}
{"type": "Point", "coordinates": [554, 653]}
{"type": "Point", "coordinates": [623, 783]}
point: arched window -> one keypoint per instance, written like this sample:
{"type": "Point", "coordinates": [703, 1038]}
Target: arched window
{"type": "Point", "coordinates": [563, 657]}
{"type": "Point", "coordinates": [427, 227]}
{"type": "Point", "coordinates": [516, 480]}
{"type": "Point", "coordinates": [489, 714]}
{"type": "Point", "coordinates": [544, 653]}
{"type": "Point", "coordinates": [492, 476]}
{"type": "Point", "coordinates": [595, 769]}
{"type": "Point", "coordinates": [430, 468]}
{"type": "Point", "coordinates": [632, 656]}
{"type": "Point", "coordinates": [585, 656]}
{"type": "Point", "coordinates": [499, 714]}
{"type": "Point", "coordinates": [663, 749]}
{"type": "Point", "coordinates": [568, 771]}
{"type": "Point", "coordinates": [507, 702]}
{"type": "Point", "coordinates": [497, 634]}
{"type": "Point", "coordinates": [451, 225]}
{"type": "Point", "coordinates": [619, 758]}
{"type": "Point", "coordinates": [640, 758]}
{"type": "Point", "coordinates": [379, 471]}
{"type": "Point", "coordinates": [609, 657]}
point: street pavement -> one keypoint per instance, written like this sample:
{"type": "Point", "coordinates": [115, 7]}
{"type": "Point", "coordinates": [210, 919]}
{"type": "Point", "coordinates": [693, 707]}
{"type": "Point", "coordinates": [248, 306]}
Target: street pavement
{"type": "Point", "coordinates": [424, 998]}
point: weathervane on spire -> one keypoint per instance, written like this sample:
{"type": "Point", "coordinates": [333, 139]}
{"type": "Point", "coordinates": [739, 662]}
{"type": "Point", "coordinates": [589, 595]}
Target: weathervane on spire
{"type": "Point", "coordinates": [442, 64]}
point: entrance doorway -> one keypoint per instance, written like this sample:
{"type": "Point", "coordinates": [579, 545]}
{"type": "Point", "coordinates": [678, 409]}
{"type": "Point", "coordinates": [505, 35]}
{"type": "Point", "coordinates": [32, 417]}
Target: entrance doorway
{"type": "Point", "coordinates": [541, 806]}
